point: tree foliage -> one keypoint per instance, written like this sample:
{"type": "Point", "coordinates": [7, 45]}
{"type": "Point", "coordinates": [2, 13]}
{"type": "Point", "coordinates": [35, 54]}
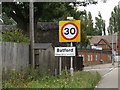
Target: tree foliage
{"type": "Point", "coordinates": [114, 21]}
{"type": "Point", "coordinates": [43, 11]}
{"type": "Point", "coordinates": [87, 24]}
{"type": "Point", "coordinates": [7, 20]}
{"type": "Point", "coordinates": [100, 25]}
{"type": "Point", "coordinates": [86, 28]}
{"type": "Point", "coordinates": [49, 12]}
{"type": "Point", "coordinates": [90, 28]}
{"type": "Point", "coordinates": [14, 35]}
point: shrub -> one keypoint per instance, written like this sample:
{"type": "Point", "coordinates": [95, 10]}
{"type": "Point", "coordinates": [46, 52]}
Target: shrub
{"type": "Point", "coordinates": [14, 35]}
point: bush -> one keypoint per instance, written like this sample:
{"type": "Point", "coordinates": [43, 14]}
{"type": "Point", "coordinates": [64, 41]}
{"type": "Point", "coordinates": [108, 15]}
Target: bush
{"type": "Point", "coordinates": [14, 36]}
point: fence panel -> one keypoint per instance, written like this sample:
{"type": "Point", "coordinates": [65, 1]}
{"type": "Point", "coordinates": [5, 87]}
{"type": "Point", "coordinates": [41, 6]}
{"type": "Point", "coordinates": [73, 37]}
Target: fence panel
{"type": "Point", "coordinates": [14, 55]}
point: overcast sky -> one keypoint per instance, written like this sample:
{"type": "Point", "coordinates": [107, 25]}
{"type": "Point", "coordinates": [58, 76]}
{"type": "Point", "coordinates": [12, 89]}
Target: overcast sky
{"type": "Point", "coordinates": [104, 8]}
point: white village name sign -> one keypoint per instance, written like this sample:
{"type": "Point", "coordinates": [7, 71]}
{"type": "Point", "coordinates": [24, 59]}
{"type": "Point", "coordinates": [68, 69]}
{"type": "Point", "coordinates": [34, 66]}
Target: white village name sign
{"type": "Point", "coordinates": [65, 51]}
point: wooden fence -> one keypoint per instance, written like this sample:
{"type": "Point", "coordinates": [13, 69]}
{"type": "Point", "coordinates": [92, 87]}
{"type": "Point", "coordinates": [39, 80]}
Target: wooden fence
{"type": "Point", "coordinates": [49, 64]}
{"type": "Point", "coordinates": [14, 55]}
{"type": "Point", "coordinates": [45, 60]}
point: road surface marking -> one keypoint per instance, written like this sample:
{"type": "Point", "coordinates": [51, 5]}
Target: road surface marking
{"type": "Point", "coordinates": [109, 72]}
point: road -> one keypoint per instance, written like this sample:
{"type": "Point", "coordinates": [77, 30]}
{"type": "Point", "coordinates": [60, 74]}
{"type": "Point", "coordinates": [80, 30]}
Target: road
{"type": "Point", "coordinates": [109, 80]}
{"type": "Point", "coordinates": [109, 75]}
{"type": "Point", "coordinates": [103, 69]}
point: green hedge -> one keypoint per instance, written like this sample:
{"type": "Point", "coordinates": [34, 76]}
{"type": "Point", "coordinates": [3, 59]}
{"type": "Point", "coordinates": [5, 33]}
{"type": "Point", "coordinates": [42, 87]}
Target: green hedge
{"type": "Point", "coordinates": [14, 35]}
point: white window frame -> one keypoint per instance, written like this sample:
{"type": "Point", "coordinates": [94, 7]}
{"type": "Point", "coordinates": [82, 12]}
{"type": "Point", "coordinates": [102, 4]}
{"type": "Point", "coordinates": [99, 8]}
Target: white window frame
{"type": "Point", "coordinates": [91, 58]}
{"type": "Point", "coordinates": [96, 57]}
{"type": "Point", "coordinates": [83, 57]}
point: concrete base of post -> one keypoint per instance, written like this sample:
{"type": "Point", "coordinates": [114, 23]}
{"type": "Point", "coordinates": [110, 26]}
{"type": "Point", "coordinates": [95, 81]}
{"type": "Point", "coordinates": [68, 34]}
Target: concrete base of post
{"type": "Point", "coordinates": [71, 71]}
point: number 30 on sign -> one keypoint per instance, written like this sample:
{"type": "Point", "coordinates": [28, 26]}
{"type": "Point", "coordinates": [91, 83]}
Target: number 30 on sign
{"type": "Point", "coordinates": [69, 31]}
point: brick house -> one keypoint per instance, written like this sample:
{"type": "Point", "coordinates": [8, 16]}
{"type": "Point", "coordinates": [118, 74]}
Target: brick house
{"type": "Point", "coordinates": [91, 56]}
{"type": "Point", "coordinates": [104, 40]}
{"type": "Point", "coordinates": [95, 56]}
{"type": "Point", "coordinates": [104, 44]}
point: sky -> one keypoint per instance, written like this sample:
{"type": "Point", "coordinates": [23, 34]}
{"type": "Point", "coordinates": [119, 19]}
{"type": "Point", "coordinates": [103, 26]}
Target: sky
{"type": "Point", "coordinates": [104, 8]}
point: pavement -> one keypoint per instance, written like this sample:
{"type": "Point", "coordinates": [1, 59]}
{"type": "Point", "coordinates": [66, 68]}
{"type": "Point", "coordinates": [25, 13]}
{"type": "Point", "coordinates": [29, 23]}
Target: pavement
{"type": "Point", "coordinates": [110, 80]}
{"type": "Point", "coordinates": [109, 74]}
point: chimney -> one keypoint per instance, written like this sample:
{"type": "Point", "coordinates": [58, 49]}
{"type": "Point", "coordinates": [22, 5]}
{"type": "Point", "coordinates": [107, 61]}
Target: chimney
{"type": "Point", "coordinates": [118, 43]}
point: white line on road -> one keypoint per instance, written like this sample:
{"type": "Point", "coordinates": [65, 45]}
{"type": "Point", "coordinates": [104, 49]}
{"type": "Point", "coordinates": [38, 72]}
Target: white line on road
{"type": "Point", "coordinates": [109, 72]}
{"type": "Point", "coordinates": [98, 69]}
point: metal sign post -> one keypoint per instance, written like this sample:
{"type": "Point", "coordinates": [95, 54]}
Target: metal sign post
{"type": "Point", "coordinates": [60, 65]}
{"type": "Point", "coordinates": [112, 48]}
{"type": "Point", "coordinates": [71, 69]}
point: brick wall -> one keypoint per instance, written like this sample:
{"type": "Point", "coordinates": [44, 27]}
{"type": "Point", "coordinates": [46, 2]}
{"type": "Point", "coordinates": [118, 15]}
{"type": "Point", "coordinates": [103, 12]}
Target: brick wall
{"type": "Point", "coordinates": [91, 56]}
{"type": "Point", "coordinates": [114, 45]}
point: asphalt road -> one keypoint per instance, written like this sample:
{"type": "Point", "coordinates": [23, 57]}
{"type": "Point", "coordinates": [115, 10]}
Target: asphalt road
{"type": "Point", "coordinates": [110, 76]}
{"type": "Point", "coordinates": [109, 80]}
{"type": "Point", "coordinates": [103, 69]}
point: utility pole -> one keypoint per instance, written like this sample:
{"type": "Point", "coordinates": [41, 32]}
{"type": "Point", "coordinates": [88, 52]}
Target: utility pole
{"type": "Point", "coordinates": [31, 33]}
{"type": "Point", "coordinates": [112, 49]}
{"type": "Point", "coordinates": [1, 50]}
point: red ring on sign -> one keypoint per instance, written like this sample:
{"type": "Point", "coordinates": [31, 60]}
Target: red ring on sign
{"type": "Point", "coordinates": [69, 38]}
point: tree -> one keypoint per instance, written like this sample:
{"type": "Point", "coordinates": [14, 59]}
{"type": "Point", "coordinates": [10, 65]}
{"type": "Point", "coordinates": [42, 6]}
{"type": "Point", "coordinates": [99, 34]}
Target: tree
{"type": "Point", "coordinates": [84, 23]}
{"type": "Point", "coordinates": [87, 24]}
{"type": "Point", "coordinates": [100, 25]}
{"type": "Point", "coordinates": [90, 30]}
{"type": "Point", "coordinates": [84, 3]}
{"type": "Point", "coordinates": [114, 21]}
{"type": "Point", "coordinates": [86, 28]}
{"type": "Point", "coordinates": [19, 11]}
{"type": "Point", "coordinates": [7, 20]}
{"type": "Point", "coordinates": [43, 11]}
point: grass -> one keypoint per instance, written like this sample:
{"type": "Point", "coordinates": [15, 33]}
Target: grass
{"type": "Point", "coordinates": [80, 79]}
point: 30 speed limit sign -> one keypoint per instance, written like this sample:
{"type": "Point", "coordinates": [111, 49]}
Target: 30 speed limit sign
{"type": "Point", "coordinates": [69, 31]}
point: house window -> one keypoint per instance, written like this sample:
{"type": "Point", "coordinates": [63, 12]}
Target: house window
{"type": "Point", "coordinates": [96, 57]}
{"type": "Point", "coordinates": [88, 57]}
{"type": "Point", "coordinates": [91, 57]}
{"type": "Point", "coordinates": [83, 57]}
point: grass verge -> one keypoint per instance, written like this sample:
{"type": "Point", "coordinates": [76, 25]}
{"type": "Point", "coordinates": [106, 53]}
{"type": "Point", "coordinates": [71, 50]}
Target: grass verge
{"type": "Point", "coordinates": [80, 79]}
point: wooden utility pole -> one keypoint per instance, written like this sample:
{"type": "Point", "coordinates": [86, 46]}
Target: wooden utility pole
{"type": "Point", "coordinates": [31, 34]}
